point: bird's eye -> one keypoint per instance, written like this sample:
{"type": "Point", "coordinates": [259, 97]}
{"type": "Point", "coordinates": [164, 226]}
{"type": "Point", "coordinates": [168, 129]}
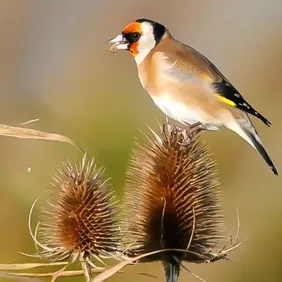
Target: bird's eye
{"type": "Point", "coordinates": [133, 36]}
{"type": "Point", "coordinates": [136, 35]}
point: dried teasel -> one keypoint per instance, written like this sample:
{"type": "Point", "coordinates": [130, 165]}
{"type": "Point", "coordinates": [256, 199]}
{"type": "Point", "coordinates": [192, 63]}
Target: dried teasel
{"type": "Point", "coordinates": [172, 201]}
{"type": "Point", "coordinates": [80, 219]}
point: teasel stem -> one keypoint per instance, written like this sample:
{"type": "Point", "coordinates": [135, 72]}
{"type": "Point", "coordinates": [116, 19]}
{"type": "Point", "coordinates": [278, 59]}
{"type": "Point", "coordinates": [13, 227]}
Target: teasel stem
{"type": "Point", "coordinates": [86, 266]}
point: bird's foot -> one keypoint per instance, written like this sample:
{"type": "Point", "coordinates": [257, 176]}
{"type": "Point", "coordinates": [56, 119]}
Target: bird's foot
{"type": "Point", "coordinates": [189, 131]}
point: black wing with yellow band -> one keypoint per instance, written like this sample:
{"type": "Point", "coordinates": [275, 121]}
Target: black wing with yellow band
{"type": "Point", "coordinates": [229, 95]}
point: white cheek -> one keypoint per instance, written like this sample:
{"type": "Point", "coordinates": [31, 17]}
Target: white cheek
{"type": "Point", "coordinates": [147, 28]}
{"type": "Point", "coordinates": [146, 43]}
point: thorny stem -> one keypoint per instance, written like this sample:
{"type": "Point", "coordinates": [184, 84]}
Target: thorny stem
{"type": "Point", "coordinates": [86, 266]}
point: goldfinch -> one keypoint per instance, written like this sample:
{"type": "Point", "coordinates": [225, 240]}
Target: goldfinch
{"type": "Point", "coordinates": [185, 85]}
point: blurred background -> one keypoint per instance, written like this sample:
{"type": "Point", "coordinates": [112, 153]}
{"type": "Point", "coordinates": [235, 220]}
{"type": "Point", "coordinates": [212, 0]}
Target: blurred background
{"type": "Point", "coordinates": [55, 67]}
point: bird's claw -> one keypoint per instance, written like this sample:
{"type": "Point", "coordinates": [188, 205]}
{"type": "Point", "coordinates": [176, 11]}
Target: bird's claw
{"type": "Point", "coordinates": [189, 131]}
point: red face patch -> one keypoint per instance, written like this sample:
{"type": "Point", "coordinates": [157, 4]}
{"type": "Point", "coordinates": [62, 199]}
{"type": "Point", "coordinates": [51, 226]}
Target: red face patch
{"type": "Point", "coordinates": [134, 49]}
{"type": "Point", "coordinates": [131, 28]}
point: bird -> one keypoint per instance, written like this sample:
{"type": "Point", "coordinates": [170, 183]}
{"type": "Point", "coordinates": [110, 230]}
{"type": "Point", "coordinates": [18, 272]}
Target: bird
{"type": "Point", "coordinates": [186, 85]}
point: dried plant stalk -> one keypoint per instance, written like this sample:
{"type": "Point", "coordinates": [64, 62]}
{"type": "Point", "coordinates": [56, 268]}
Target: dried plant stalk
{"type": "Point", "coordinates": [27, 133]}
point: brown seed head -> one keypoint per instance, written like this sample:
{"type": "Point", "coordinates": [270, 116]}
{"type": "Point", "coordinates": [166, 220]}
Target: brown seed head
{"type": "Point", "coordinates": [80, 215]}
{"type": "Point", "coordinates": [172, 198]}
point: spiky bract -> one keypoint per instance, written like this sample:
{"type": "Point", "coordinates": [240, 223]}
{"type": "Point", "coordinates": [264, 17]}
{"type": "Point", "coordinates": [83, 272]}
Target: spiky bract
{"type": "Point", "coordinates": [172, 198]}
{"type": "Point", "coordinates": [80, 215]}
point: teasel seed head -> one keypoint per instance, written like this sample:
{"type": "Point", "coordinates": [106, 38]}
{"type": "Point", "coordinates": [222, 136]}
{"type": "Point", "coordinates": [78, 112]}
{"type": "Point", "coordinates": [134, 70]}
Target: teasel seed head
{"type": "Point", "coordinates": [172, 200]}
{"type": "Point", "coordinates": [80, 217]}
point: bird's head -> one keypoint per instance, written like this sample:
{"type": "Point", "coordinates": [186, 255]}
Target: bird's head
{"type": "Point", "coordinates": [139, 37]}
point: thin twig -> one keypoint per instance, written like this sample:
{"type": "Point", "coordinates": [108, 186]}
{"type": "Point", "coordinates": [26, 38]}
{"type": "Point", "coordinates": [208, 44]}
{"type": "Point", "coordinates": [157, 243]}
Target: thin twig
{"type": "Point", "coordinates": [30, 228]}
{"type": "Point", "coordinates": [29, 121]}
{"type": "Point", "coordinates": [193, 229]}
{"type": "Point", "coordinates": [162, 223]}
{"type": "Point", "coordinates": [86, 266]}
{"type": "Point", "coordinates": [27, 133]}
{"type": "Point", "coordinates": [192, 273]}
{"type": "Point", "coordinates": [58, 273]}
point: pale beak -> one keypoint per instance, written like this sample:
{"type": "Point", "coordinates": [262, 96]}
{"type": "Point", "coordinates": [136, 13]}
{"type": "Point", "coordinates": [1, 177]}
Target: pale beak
{"type": "Point", "coordinates": [118, 43]}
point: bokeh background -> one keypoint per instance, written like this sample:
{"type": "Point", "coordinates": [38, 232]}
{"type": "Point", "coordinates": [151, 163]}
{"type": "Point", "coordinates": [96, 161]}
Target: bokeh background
{"type": "Point", "coordinates": [55, 67]}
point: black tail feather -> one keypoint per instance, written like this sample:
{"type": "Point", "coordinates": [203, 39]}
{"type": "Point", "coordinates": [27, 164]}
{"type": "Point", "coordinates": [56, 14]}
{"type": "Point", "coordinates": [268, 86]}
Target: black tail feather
{"type": "Point", "coordinates": [225, 89]}
{"type": "Point", "coordinates": [263, 119]}
{"type": "Point", "coordinates": [262, 151]}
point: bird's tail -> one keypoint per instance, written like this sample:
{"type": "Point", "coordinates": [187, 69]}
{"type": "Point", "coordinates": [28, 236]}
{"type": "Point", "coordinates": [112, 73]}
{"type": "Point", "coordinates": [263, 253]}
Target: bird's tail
{"type": "Point", "coordinates": [172, 271]}
{"type": "Point", "coordinates": [246, 130]}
